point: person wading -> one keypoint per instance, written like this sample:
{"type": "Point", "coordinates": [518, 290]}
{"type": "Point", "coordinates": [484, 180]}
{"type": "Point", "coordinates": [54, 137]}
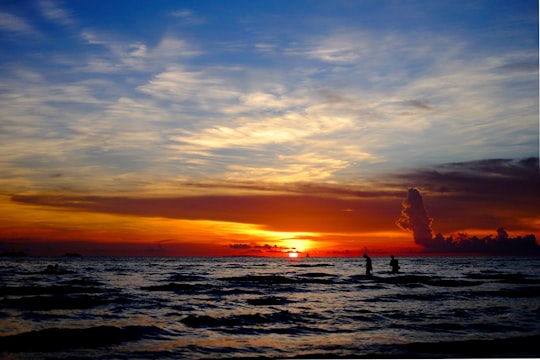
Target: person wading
{"type": "Point", "coordinates": [369, 267]}
{"type": "Point", "coordinates": [394, 264]}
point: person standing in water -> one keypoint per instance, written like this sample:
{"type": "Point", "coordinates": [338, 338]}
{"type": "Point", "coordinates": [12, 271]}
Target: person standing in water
{"type": "Point", "coordinates": [394, 264]}
{"type": "Point", "coordinates": [369, 267]}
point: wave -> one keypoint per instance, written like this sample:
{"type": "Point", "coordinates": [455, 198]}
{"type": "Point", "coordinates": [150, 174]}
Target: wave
{"type": "Point", "coordinates": [62, 302]}
{"type": "Point", "coordinates": [268, 300]}
{"type": "Point", "coordinates": [175, 287]}
{"type": "Point", "coordinates": [511, 278]}
{"type": "Point", "coordinates": [53, 302]}
{"type": "Point", "coordinates": [260, 308]}
{"type": "Point", "coordinates": [517, 292]}
{"type": "Point", "coordinates": [44, 290]}
{"type": "Point", "coordinates": [235, 321]}
{"type": "Point", "coordinates": [186, 277]}
{"type": "Point", "coordinates": [280, 322]}
{"type": "Point", "coordinates": [83, 282]}
{"type": "Point", "coordinates": [429, 280]}
{"type": "Point", "coordinates": [58, 339]}
{"type": "Point", "coordinates": [276, 279]}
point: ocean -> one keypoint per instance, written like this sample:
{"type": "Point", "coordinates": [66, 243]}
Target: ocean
{"type": "Point", "coordinates": [221, 308]}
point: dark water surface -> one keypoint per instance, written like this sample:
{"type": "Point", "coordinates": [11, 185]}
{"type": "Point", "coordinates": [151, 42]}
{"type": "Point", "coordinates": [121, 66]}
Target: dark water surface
{"type": "Point", "coordinates": [198, 308]}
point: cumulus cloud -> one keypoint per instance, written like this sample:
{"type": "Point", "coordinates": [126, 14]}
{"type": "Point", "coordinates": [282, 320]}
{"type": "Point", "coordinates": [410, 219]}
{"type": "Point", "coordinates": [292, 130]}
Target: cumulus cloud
{"type": "Point", "coordinates": [414, 218]}
{"type": "Point", "coordinates": [500, 244]}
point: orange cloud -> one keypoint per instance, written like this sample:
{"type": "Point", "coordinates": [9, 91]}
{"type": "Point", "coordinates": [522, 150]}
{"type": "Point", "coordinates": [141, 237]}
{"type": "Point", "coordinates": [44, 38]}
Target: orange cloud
{"type": "Point", "coordinates": [260, 219]}
{"type": "Point", "coordinates": [100, 226]}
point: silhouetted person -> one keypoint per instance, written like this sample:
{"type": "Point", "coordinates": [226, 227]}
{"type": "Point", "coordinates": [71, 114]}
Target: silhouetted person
{"type": "Point", "coordinates": [394, 264]}
{"type": "Point", "coordinates": [369, 267]}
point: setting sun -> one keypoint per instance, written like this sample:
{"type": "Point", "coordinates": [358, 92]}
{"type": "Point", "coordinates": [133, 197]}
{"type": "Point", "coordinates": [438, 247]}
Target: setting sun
{"type": "Point", "coordinates": [293, 254]}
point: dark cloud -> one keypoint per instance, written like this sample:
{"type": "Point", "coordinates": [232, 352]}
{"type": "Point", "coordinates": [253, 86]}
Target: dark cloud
{"type": "Point", "coordinates": [417, 104]}
{"type": "Point", "coordinates": [270, 248]}
{"type": "Point", "coordinates": [293, 212]}
{"type": "Point", "coordinates": [257, 250]}
{"type": "Point", "coordinates": [330, 96]}
{"type": "Point", "coordinates": [500, 244]}
{"type": "Point", "coordinates": [501, 184]}
{"type": "Point", "coordinates": [240, 246]}
{"type": "Point", "coordinates": [414, 218]}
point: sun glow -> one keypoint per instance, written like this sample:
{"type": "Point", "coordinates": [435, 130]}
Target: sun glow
{"type": "Point", "coordinates": [293, 254]}
{"type": "Point", "coordinates": [297, 245]}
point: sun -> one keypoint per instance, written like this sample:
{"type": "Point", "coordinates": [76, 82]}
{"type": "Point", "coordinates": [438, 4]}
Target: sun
{"type": "Point", "coordinates": [293, 254]}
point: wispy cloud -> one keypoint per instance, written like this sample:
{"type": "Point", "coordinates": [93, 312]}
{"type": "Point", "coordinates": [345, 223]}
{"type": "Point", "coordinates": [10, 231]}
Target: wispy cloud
{"type": "Point", "coordinates": [120, 56]}
{"type": "Point", "coordinates": [15, 24]}
{"type": "Point", "coordinates": [52, 11]}
{"type": "Point", "coordinates": [188, 17]}
{"type": "Point", "coordinates": [330, 105]}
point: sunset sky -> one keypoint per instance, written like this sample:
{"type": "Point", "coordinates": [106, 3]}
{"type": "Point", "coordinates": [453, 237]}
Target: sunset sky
{"type": "Point", "coordinates": [204, 128]}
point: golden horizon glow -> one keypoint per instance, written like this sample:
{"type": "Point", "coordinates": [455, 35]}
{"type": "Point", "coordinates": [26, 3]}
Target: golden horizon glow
{"type": "Point", "coordinates": [69, 220]}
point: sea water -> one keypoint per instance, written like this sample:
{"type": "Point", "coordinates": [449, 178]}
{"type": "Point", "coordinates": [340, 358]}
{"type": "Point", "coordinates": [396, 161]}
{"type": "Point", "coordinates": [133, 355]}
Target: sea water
{"type": "Point", "coordinates": [216, 308]}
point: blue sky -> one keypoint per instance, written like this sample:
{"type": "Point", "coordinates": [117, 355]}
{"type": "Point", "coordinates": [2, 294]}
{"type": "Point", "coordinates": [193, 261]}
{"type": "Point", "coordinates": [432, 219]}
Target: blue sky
{"type": "Point", "coordinates": [144, 96]}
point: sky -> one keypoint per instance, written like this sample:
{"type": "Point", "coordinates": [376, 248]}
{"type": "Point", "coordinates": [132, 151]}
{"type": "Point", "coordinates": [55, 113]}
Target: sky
{"type": "Point", "coordinates": [259, 128]}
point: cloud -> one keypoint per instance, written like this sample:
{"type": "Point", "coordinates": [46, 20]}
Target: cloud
{"type": "Point", "coordinates": [188, 17]}
{"type": "Point", "coordinates": [475, 195]}
{"type": "Point", "coordinates": [518, 67]}
{"type": "Point", "coordinates": [414, 218]}
{"type": "Point", "coordinates": [240, 246]}
{"type": "Point", "coordinates": [500, 244]}
{"type": "Point", "coordinates": [16, 24]}
{"type": "Point", "coordinates": [336, 108]}
{"type": "Point", "coordinates": [491, 180]}
{"type": "Point", "coordinates": [109, 54]}
{"type": "Point", "coordinates": [288, 128]}
{"type": "Point", "coordinates": [342, 48]}
{"type": "Point", "coordinates": [482, 194]}
{"type": "Point", "coordinates": [180, 85]}
{"type": "Point", "coordinates": [284, 212]}
{"type": "Point", "coordinates": [55, 13]}
{"type": "Point", "coordinates": [473, 199]}
{"type": "Point", "coordinates": [417, 104]}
